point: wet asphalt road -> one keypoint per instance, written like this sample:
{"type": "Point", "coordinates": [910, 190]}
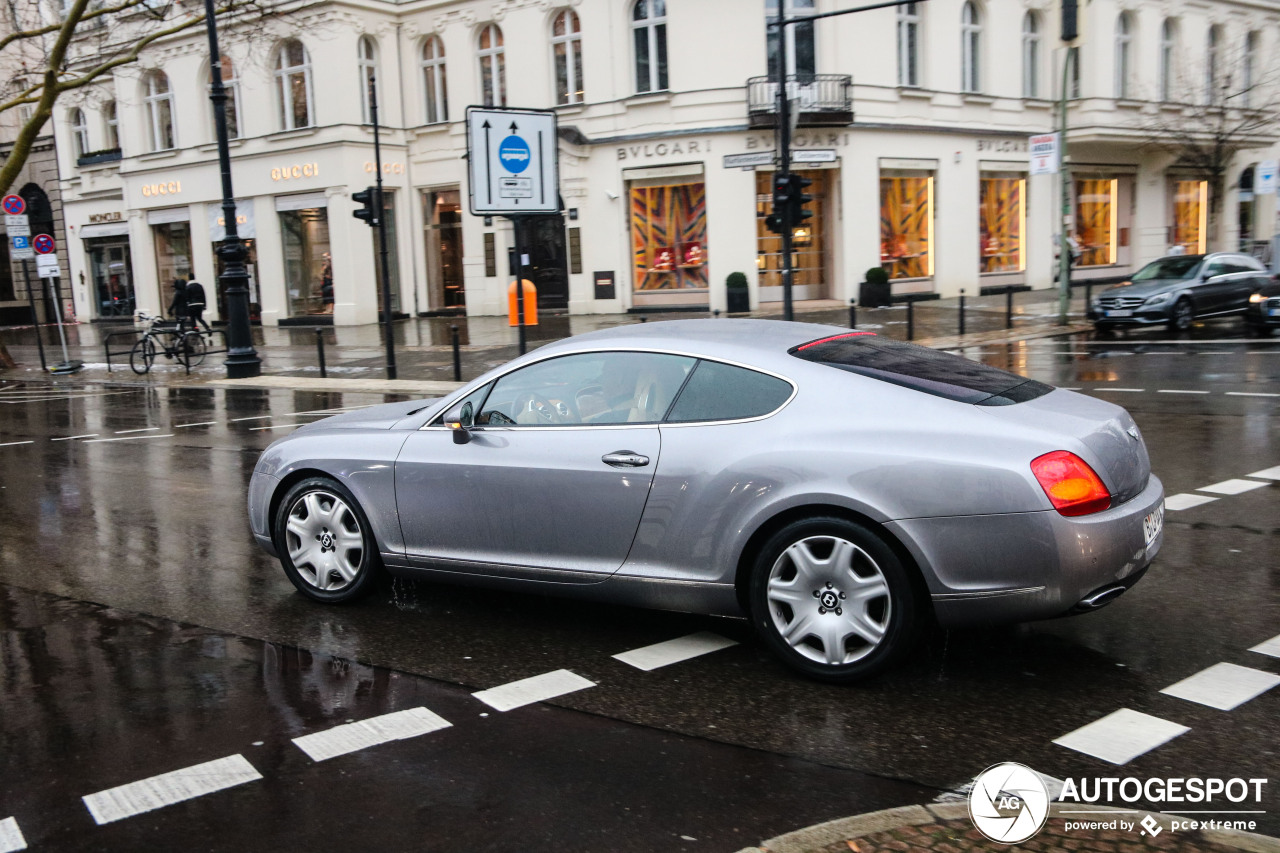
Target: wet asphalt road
{"type": "Point", "coordinates": [726, 749]}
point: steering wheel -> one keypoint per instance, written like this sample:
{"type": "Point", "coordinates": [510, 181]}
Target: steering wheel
{"type": "Point", "coordinates": [538, 405]}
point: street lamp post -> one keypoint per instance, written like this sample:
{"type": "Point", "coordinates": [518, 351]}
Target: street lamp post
{"type": "Point", "coordinates": [242, 359]}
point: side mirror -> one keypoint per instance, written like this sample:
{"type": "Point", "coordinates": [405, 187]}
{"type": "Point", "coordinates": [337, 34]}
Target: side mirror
{"type": "Point", "coordinates": [460, 419]}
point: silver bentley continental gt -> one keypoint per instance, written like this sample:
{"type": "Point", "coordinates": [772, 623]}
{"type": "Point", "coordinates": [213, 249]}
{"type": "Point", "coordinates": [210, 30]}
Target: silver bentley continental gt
{"type": "Point", "coordinates": [835, 487]}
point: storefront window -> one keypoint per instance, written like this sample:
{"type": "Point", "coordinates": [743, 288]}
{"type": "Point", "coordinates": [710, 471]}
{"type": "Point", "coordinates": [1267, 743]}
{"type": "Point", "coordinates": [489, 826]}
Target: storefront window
{"type": "Point", "coordinates": [1190, 211]}
{"type": "Point", "coordinates": [669, 236]}
{"type": "Point", "coordinates": [173, 254]}
{"type": "Point", "coordinates": [1002, 223]}
{"type": "Point", "coordinates": [1096, 212]}
{"type": "Point", "coordinates": [808, 241]}
{"type": "Point", "coordinates": [389, 215]}
{"type": "Point", "coordinates": [112, 276]}
{"type": "Point", "coordinates": [308, 268]}
{"type": "Point", "coordinates": [906, 224]}
{"type": "Point", "coordinates": [444, 249]}
{"type": "Point", "coordinates": [251, 267]}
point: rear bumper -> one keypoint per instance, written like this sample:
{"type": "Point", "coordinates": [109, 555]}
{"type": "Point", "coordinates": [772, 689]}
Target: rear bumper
{"type": "Point", "coordinates": [1034, 565]}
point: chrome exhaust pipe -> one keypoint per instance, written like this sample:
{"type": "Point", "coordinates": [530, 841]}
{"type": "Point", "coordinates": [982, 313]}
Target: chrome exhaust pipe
{"type": "Point", "coordinates": [1102, 597]}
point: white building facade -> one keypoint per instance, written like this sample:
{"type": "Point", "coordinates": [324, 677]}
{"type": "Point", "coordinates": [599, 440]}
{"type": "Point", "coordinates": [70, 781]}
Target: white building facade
{"type": "Point", "coordinates": [914, 122]}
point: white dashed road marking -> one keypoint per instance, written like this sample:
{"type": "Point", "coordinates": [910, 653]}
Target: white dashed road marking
{"type": "Point", "coordinates": [539, 688]}
{"type": "Point", "coordinates": [1224, 686]}
{"type": "Point", "coordinates": [658, 655]}
{"type": "Point", "coordinates": [1232, 487]}
{"type": "Point", "coordinates": [168, 788]}
{"type": "Point", "coordinates": [1270, 647]}
{"type": "Point", "coordinates": [253, 418]}
{"type": "Point", "coordinates": [142, 429]}
{"type": "Point", "coordinates": [74, 437]}
{"type": "Point", "coordinates": [277, 426]}
{"type": "Point", "coordinates": [1268, 474]}
{"type": "Point", "coordinates": [1185, 501]}
{"type": "Point", "coordinates": [16, 443]}
{"type": "Point", "coordinates": [1126, 390]}
{"type": "Point", "coordinates": [354, 737]}
{"type": "Point", "coordinates": [1250, 394]}
{"type": "Point", "coordinates": [1178, 391]}
{"type": "Point", "coordinates": [11, 839]}
{"type": "Point", "coordinates": [128, 438]}
{"type": "Point", "coordinates": [1121, 736]}
{"type": "Point", "coordinates": [202, 423]}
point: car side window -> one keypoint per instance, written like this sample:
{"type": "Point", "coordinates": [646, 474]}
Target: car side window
{"type": "Point", "coordinates": [724, 392]}
{"type": "Point", "coordinates": [1215, 267]}
{"type": "Point", "coordinates": [474, 398]}
{"type": "Point", "coordinates": [588, 389]}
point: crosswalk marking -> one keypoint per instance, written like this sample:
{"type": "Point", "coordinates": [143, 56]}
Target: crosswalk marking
{"type": "Point", "coordinates": [1231, 487]}
{"type": "Point", "coordinates": [1185, 501]}
{"type": "Point", "coordinates": [663, 654]}
{"type": "Point", "coordinates": [1121, 736]}
{"type": "Point", "coordinates": [526, 691]}
{"type": "Point", "coordinates": [1224, 686]}
{"type": "Point", "coordinates": [11, 839]}
{"type": "Point", "coordinates": [166, 789]}
{"type": "Point", "coordinates": [1267, 474]}
{"type": "Point", "coordinates": [354, 737]}
{"type": "Point", "coordinates": [1270, 647]}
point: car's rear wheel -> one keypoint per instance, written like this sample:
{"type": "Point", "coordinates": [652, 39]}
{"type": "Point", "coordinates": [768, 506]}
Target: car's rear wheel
{"type": "Point", "coordinates": [832, 600]}
{"type": "Point", "coordinates": [325, 543]}
{"type": "Point", "coordinates": [1184, 314]}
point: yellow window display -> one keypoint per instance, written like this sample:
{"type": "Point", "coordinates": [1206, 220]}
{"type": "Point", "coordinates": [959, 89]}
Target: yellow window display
{"type": "Point", "coordinates": [1096, 212]}
{"type": "Point", "coordinates": [669, 236]}
{"type": "Point", "coordinates": [906, 225]}
{"type": "Point", "coordinates": [1002, 223]}
{"type": "Point", "coordinates": [1190, 212]}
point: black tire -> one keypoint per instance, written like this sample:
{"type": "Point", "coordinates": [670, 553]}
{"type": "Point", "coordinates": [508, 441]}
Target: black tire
{"type": "Point", "coordinates": [142, 356]}
{"type": "Point", "coordinates": [320, 583]}
{"type": "Point", "coordinates": [1104, 328]}
{"type": "Point", "coordinates": [894, 613]}
{"type": "Point", "coordinates": [192, 349]}
{"type": "Point", "coordinates": [1183, 315]}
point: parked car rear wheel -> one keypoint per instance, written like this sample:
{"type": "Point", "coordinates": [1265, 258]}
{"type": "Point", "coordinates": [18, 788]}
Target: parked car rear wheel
{"type": "Point", "coordinates": [832, 600]}
{"type": "Point", "coordinates": [1184, 314]}
{"type": "Point", "coordinates": [325, 543]}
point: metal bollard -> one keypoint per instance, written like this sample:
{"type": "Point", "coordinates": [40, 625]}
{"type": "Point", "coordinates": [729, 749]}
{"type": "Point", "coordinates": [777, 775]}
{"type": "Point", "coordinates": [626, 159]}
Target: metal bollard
{"type": "Point", "coordinates": [644, 319]}
{"type": "Point", "coordinates": [320, 352]}
{"type": "Point", "coordinates": [457, 354]}
{"type": "Point", "coordinates": [853, 313]}
{"type": "Point", "coordinates": [911, 319]}
{"type": "Point", "coordinates": [716, 313]}
{"type": "Point", "coordinates": [1008, 308]}
{"type": "Point", "coordinates": [962, 310]}
{"type": "Point", "coordinates": [1088, 297]}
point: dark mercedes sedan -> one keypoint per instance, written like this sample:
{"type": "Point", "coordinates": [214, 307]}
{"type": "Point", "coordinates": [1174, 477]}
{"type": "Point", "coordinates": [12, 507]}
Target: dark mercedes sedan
{"type": "Point", "coordinates": [1178, 290]}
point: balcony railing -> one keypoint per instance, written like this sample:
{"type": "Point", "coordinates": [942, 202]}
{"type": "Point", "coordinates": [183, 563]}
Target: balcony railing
{"type": "Point", "coordinates": [821, 99]}
{"type": "Point", "coordinates": [93, 158]}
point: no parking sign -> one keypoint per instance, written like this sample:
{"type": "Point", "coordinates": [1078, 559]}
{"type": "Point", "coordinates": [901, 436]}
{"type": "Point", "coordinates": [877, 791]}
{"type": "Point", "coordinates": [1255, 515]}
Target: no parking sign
{"type": "Point", "coordinates": [13, 205]}
{"type": "Point", "coordinates": [43, 244]}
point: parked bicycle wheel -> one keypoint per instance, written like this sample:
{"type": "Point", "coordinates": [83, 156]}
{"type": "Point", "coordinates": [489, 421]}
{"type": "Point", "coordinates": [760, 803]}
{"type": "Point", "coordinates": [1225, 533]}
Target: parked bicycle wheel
{"type": "Point", "coordinates": [143, 355]}
{"type": "Point", "coordinates": [192, 348]}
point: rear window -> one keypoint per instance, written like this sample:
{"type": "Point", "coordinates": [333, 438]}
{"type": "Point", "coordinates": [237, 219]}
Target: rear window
{"type": "Point", "coordinates": [922, 369]}
{"type": "Point", "coordinates": [723, 392]}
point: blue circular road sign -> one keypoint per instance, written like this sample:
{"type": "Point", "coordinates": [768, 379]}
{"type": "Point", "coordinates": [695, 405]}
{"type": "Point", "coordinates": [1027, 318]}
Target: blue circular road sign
{"type": "Point", "coordinates": [513, 153]}
{"type": "Point", "coordinates": [43, 244]}
{"type": "Point", "coordinates": [14, 205]}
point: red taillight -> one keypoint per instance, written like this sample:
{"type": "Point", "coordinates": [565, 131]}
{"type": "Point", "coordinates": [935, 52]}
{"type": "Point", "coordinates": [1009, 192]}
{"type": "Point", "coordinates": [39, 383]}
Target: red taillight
{"type": "Point", "coordinates": [835, 338]}
{"type": "Point", "coordinates": [1072, 486]}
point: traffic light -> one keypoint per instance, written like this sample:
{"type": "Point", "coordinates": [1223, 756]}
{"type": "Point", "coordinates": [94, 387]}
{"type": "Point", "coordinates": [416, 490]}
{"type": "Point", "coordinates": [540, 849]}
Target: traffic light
{"type": "Point", "coordinates": [774, 223]}
{"type": "Point", "coordinates": [797, 199]}
{"type": "Point", "coordinates": [367, 211]}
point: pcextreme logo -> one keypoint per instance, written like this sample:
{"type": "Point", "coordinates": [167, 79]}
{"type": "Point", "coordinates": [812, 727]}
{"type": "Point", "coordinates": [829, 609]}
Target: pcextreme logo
{"type": "Point", "coordinates": [1008, 803]}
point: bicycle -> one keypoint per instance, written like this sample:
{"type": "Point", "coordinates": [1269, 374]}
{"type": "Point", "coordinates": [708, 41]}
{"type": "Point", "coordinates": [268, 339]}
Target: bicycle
{"type": "Point", "coordinates": [185, 345]}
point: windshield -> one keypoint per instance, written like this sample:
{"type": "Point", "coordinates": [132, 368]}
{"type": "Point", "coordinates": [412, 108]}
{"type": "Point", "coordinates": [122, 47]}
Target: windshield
{"type": "Point", "coordinates": [1176, 268]}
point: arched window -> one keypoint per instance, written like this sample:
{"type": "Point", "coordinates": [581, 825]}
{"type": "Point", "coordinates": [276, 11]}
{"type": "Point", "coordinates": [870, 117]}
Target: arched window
{"type": "Point", "coordinates": [802, 62]}
{"type": "Point", "coordinates": [367, 59]}
{"type": "Point", "coordinates": [1249, 63]}
{"type": "Point", "coordinates": [1168, 47]}
{"type": "Point", "coordinates": [157, 102]}
{"type": "Point", "coordinates": [970, 48]}
{"type": "Point", "coordinates": [908, 45]}
{"type": "Point", "coordinates": [1124, 38]}
{"type": "Point", "coordinates": [232, 87]}
{"type": "Point", "coordinates": [112, 121]}
{"type": "Point", "coordinates": [293, 85]}
{"type": "Point", "coordinates": [435, 96]}
{"type": "Point", "coordinates": [1031, 55]}
{"type": "Point", "coordinates": [493, 67]}
{"type": "Point", "coordinates": [566, 44]}
{"type": "Point", "coordinates": [1211, 71]}
{"type": "Point", "coordinates": [649, 35]}
{"type": "Point", "coordinates": [79, 133]}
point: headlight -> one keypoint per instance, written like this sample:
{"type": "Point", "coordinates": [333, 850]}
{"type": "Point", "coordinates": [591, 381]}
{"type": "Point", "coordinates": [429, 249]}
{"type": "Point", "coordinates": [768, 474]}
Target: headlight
{"type": "Point", "coordinates": [1159, 299]}
{"type": "Point", "coordinates": [1257, 297]}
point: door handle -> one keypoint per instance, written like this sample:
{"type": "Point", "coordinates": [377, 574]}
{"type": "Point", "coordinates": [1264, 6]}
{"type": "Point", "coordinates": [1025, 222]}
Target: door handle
{"type": "Point", "coordinates": [625, 459]}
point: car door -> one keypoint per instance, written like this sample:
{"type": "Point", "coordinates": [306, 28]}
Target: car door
{"type": "Point", "coordinates": [1247, 279]}
{"type": "Point", "coordinates": [556, 471]}
{"type": "Point", "coordinates": [1213, 290]}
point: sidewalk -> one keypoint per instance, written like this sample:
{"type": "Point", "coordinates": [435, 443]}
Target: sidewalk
{"type": "Point", "coordinates": [946, 828]}
{"type": "Point", "coordinates": [424, 350]}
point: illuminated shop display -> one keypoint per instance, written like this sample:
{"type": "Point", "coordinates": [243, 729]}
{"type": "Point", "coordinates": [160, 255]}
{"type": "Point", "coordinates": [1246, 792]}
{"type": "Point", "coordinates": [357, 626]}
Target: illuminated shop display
{"type": "Point", "coordinates": [1096, 212]}
{"type": "Point", "coordinates": [1002, 223]}
{"type": "Point", "coordinates": [1190, 214]}
{"type": "Point", "coordinates": [906, 225]}
{"type": "Point", "coordinates": [669, 236]}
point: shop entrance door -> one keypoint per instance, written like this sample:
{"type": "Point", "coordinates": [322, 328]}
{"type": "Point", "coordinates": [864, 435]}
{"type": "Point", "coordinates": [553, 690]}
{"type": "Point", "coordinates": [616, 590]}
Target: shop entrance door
{"type": "Point", "coordinates": [542, 239]}
{"type": "Point", "coordinates": [446, 284]}
{"type": "Point", "coordinates": [112, 280]}
{"type": "Point", "coordinates": [809, 251]}
{"type": "Point", "coordinates": [251, 265]}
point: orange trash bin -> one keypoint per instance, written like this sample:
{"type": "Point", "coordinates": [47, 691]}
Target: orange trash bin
{"type": "Point", "coordinates": [530, 304]}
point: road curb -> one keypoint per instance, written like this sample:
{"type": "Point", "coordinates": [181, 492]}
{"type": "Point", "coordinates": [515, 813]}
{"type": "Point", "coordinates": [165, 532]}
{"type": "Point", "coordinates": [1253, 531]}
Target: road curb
{"type": "Point", "coordinates": [816, 838]}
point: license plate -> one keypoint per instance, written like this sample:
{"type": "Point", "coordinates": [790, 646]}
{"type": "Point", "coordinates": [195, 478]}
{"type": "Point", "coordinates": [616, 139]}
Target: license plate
{"type": "Point", "coordinates": [1274, 312]}
{"type": "Point", "coordinates": [1120, 312]}
{"type": "Point", "coordinates": [1153, 524]}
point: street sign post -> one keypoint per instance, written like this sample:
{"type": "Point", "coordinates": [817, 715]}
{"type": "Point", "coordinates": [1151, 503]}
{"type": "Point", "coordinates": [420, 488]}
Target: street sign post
{"type": "Point", "coordinates": [47, 266]}
{"type": "Point", "coordinates": [17, 225]}
{"type": "Point", "coordinates": [1044, 154]}
{"type": "Point", "coordinates": [1266, 181]}
{"type": "Point", "coordinates": [43, 244]}
{"type": "Point", "coordinates": [20, 248]}
{"type": "Point", "coordinates": [512, 171]}
{"type": "Point", "coordinates": [813, 155]}
{"type": "Point", "coordinates": [14, 205]}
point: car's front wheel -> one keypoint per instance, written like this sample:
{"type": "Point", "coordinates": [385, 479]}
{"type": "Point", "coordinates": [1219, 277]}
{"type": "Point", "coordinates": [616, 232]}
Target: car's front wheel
{"type": "Point", "coordinates": [1184, 314]}
{"type": "Point", "coordinates": [832, 600]}
{"type": "Point", "coordinates": [325, 543]}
